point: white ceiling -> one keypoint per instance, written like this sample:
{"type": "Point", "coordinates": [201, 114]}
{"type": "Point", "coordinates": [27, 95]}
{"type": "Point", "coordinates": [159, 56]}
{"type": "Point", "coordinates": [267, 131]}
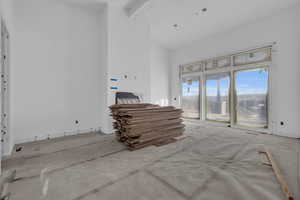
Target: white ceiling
{"type": "Point", "coordinates": [193, 24]}
{"type": "Point", "coordinates": [221, 16]}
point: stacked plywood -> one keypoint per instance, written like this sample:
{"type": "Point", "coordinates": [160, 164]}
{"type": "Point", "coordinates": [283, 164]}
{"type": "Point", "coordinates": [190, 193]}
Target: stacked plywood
{"type": "Point", "coordinates": [140, 125]}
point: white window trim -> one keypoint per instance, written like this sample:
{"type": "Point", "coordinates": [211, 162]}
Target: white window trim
{"type": "Point", "coordinates": [268, 65]}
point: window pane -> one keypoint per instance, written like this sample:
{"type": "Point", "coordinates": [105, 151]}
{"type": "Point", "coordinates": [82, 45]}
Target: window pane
{"type": "Point", "coordinates": [217, 97]}
{"type": "Point", "coordinates": [190, 97]}
{"type": "Point", "coordinates": [191, 68]}
{"type": "Point", "coordinates": [261, 55]}
{"type": "Point", "coordinates": [251, 97]}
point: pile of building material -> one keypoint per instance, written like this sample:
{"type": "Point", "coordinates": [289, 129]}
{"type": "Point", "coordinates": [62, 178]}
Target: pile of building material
{"type": "Point", "coordinates": [141, 125]}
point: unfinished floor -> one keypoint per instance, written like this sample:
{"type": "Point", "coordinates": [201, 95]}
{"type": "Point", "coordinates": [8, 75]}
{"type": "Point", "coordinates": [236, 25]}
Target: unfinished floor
{"type": "Point", "coordinates": [211, 163]}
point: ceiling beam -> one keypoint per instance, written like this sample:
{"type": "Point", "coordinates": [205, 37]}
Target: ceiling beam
{"type": "Point", "coordinates": [135, 7]}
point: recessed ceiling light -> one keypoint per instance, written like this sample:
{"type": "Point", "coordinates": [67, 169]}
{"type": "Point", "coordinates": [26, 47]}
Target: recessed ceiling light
{"type": "Point", "coordinates": [204, 9]}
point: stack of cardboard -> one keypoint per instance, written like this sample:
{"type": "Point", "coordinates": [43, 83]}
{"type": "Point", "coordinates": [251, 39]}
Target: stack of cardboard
{"type": "Point", "coordinates": [141, 125]}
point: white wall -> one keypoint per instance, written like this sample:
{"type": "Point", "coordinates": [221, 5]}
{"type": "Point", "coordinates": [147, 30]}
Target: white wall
{"type": "Point", "coordinates": [6, 16]}
{"type": "Point", "coordinates": [160, 71]}
{"type": "Point", "coordinates": [63, 58]}
{"type": "Point", "coordinates": [5, 12]}
{"type": "Point", "coordinates": [282, 28]}
{"type": "Point", "coordinates": [1, 11]}
{"type": "Point", "coordinates": [128, 54]}
{"type": "Point", "coordinates": [59, 69]}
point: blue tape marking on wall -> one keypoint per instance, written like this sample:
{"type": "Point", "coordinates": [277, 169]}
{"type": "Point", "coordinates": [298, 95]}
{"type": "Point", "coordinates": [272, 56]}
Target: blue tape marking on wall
{"type": "Point", "coordinates": [114, 88]}
{"type": "Point", "coordinates": [114, 79]}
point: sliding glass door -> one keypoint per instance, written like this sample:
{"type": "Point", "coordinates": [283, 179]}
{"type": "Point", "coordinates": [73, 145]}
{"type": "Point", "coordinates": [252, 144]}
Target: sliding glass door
{"type": "Point", "coordinates": [251, 97]}
{"type": "Point", "coordinates": [191, 97]}
{"type": "Point", "coordinates": [232, 89]}
{"type": "Point", "coordinates": [217, 97]}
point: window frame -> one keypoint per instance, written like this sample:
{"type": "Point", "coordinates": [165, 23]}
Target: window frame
{"type": "Point", "coordinates": [186, 76]}
{"type": "Point", "coordinates": [206, 102]}
{"type": "Point", "coordinates": [235, 100]}
{"type": "Point", "coordinates": [269, 65]}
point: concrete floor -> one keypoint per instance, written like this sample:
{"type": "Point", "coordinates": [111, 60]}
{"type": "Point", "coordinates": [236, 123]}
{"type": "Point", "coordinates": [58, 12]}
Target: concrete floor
{"type": "Point", "coordinates": [211, 163]}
